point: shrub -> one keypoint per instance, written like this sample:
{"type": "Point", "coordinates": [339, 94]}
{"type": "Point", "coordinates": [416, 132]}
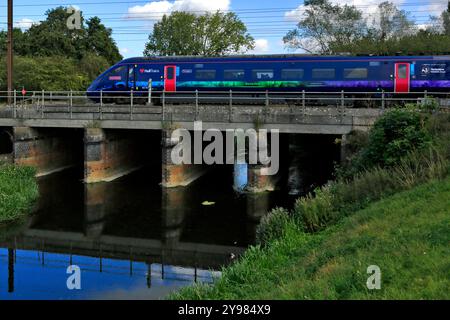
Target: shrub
{"type": "Point", "coordinates": [272, 226]}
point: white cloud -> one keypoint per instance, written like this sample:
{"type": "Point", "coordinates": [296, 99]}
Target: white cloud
{"type": "Point", "coordinates": [124, 50]}
{"type": "Point", "coordinates": [261, 46]}
{"type": "Point", "coordinates": [24, 23]}
{"type": "Point", "coordinates": [155, 10]}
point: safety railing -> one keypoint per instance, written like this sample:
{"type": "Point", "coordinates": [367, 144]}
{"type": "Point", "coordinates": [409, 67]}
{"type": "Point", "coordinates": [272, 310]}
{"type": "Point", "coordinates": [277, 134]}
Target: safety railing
{"type": "Point", "coordinates": [68, 104]}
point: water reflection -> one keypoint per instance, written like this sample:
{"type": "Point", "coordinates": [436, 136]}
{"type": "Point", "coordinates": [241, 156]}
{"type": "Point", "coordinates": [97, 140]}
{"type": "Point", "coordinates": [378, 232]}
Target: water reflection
{"type": "Point", "coordinates": [131, 238]}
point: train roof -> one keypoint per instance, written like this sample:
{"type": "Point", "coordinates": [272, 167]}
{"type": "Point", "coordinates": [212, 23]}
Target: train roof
{"type": "Point", "coordinates": [280, 56]}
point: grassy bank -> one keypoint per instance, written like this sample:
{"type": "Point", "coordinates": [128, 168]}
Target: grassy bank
{"type": "Point", "coordinates": [406, 235]}
{"type": "Point", "coordinates": [388, 206]}
{"type": "Point", "coordinates": [18, 192]}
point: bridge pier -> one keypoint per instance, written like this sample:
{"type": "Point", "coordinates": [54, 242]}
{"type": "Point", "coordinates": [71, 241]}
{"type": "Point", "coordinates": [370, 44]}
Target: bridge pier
{"type": "Point", "coordinates": [48, 150]}
{"type": "Point", "coordinates": [176, 175]}
{"type": "Point", "coordinates": [109, 155]}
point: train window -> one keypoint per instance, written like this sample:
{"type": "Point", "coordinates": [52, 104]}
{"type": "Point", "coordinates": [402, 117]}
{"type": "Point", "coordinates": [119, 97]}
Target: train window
{"type": "Point", "coordinates": [118, 74]}
{"type": "Point", "coordinates": [356, 73]}
{"type": "Point", "coordinates": [263, 74]}
{"type": "Point", "coordinates": [402, 71]}
{"type": "Point", "coordinates": [323, 73]}
{"type": "Point", "coordinates": [170, 73]}
{"type": "Point", "coordinates": [205, 74]}
{"type": "Point", "coordinates": [292, 74]}
{"type": "Point", "coordinates": [234, 74]}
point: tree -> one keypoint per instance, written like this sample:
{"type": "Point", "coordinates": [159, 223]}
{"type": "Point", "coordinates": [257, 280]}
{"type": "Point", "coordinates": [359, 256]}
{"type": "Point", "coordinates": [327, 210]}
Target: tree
{"type": "Point", "coordinates": [183, 33]}
{"type": "Point", "coordinates": [52, 37]}
{"type": "Point", "coordinates": [99, 41]}
{"type": "Point", "coordinates": [390, 22]}
{"type": "Point", "coordinates": [326, 26]}
{"type": "Point", "coordinates": [446, 20]}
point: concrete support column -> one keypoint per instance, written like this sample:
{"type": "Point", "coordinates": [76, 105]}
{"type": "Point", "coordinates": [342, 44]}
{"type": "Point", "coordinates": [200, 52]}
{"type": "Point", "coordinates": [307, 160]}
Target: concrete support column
{"type": "Point", "coordinates": [109, 155]}
{"type": "Point", "coordinates": [176, 175]}
{"type": "Point", "coordinates": [47, 150]}
{"type": "Point", "coordinates": [259, 179]}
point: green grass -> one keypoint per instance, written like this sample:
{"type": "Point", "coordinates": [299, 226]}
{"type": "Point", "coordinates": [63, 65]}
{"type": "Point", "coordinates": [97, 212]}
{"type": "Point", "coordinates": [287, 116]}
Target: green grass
{"type": "Point", "coordinates": [407, 235]}
{"type": "Point", "coordinates": [18, 192]}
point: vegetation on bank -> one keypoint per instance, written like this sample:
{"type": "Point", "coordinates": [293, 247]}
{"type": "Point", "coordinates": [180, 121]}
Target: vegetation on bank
{"type": "Point", "coordinates": [406, 235]}
{"type": "Point", "coordinates": [18, 192]}
{"type": "Point", "coordinates": [322, 247]}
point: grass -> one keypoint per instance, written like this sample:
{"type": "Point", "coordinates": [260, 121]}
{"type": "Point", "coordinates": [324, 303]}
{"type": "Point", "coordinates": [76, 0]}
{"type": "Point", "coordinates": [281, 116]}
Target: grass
{"type": "Point", "coordinates": [18, 192]}
{"type": "Point", "coordinates": [407, 235]}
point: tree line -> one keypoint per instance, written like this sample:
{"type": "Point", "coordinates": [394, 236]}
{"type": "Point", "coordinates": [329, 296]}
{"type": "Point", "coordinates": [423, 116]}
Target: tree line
{"type": "Point", "coordinates": [51, 56]}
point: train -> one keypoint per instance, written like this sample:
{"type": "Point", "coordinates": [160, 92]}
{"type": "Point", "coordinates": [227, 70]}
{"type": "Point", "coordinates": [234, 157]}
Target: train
{"type": "Point", "coordinates": [276, 73]}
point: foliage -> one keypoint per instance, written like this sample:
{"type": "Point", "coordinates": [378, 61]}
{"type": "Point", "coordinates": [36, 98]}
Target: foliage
{"type": "Point", "coordinates": [18, 191]}
{"type": "Point", "coordinates": [393, 135]}
{"type": "Point", "coordinates": [46, 73]}
{"type": "Point", "coordinates": [52, 38]}
{"type": "Point", "coordinates": [324, 25]}
{"type": "Point", "coordinates": [331, 29]}
{"type": "Point", "coordinates": [183, 33]}
{"type": "Point", "coordinates": [272, 226]}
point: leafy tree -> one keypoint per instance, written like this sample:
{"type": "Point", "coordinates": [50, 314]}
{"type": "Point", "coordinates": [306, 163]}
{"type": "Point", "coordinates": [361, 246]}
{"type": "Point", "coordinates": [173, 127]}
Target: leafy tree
{"type": "Point", "coordinates": [326, 26]}
{"type": "Point", "coordinates": [446, 20]}
{"type": "Point", "coordinates": [52, 37]}
{"type": "Point", "coordinates": [183, 33]}
{"type": "Point", "coordinates": [48, 73]}
{"type": "Point", "coordinates": [99, 41]}
{"type": "Point", "coordinates": [390, 22]}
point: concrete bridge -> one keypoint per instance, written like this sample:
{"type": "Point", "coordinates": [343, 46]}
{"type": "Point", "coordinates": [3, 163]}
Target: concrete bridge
{"type": "Point", "coordinates": [49, 130]}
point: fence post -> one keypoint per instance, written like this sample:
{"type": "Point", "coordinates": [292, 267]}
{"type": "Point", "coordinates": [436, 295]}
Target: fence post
{"type": "Point", "coordinates": [267, 98]}
{"type": "Point", "coordinates": [15, 104]}
{"type": "Point", "coordinates": [43, 104]}
{"type": "Point", "coordinates": [149, 92]}
{"type": "Point", "coordinates": [230, 111]}
{"type": "Point", "coordinates": [303, 102]}
{"type": "Point", "coordinates": [164, 104]}
{"type": "Point", "coordinates": [131, 105]}
{"type": "Point", "coordinates": [196, 104]}
{"type": "Point", "coordinates": [101, 103]}
{"type": "Point", "coordinates": [383, 101]}
{"type": "Point", "coordinates": [71, 104]}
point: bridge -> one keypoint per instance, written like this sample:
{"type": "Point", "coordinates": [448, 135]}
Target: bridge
{"type": "Point", "coordinates": [46, 128]}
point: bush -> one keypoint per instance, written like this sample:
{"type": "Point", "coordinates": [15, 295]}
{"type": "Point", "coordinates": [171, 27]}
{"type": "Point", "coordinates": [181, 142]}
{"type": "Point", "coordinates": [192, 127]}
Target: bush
{"type": "Point", "coordinates": [394, 134]}
{"type": "Point", "coordinates": [272, 226]}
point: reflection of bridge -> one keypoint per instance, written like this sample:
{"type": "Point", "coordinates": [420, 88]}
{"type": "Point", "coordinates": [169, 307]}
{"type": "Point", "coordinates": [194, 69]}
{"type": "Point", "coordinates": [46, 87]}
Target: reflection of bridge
{"type": "Point", "coordinates": [140, 250]}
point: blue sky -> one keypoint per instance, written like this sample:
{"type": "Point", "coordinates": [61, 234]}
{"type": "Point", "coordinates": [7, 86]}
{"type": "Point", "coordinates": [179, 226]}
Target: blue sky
{"type": "Point", "coordinates": [267, 20]}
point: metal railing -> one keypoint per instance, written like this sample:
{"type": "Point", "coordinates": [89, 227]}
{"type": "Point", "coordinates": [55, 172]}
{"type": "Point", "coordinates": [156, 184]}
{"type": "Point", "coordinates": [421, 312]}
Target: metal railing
{"type": "Point", "coordinates": [68, 104]}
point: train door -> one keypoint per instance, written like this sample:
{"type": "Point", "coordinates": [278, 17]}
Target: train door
{"type": "Point", "coordinates": [402, 77]}
{"type": "Point", "coordinates": [170, 78]}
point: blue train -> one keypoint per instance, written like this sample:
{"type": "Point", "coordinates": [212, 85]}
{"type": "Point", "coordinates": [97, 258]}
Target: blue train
{"type": "Point", "coordinates": [281, 73]}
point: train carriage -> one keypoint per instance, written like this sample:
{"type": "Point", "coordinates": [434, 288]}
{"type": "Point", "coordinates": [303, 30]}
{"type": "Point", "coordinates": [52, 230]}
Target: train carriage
{"type": "Point", "coordinates": [277, 73]}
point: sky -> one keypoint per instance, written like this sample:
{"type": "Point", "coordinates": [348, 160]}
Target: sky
{"type": "Point", "coordinates": [267, 20]}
